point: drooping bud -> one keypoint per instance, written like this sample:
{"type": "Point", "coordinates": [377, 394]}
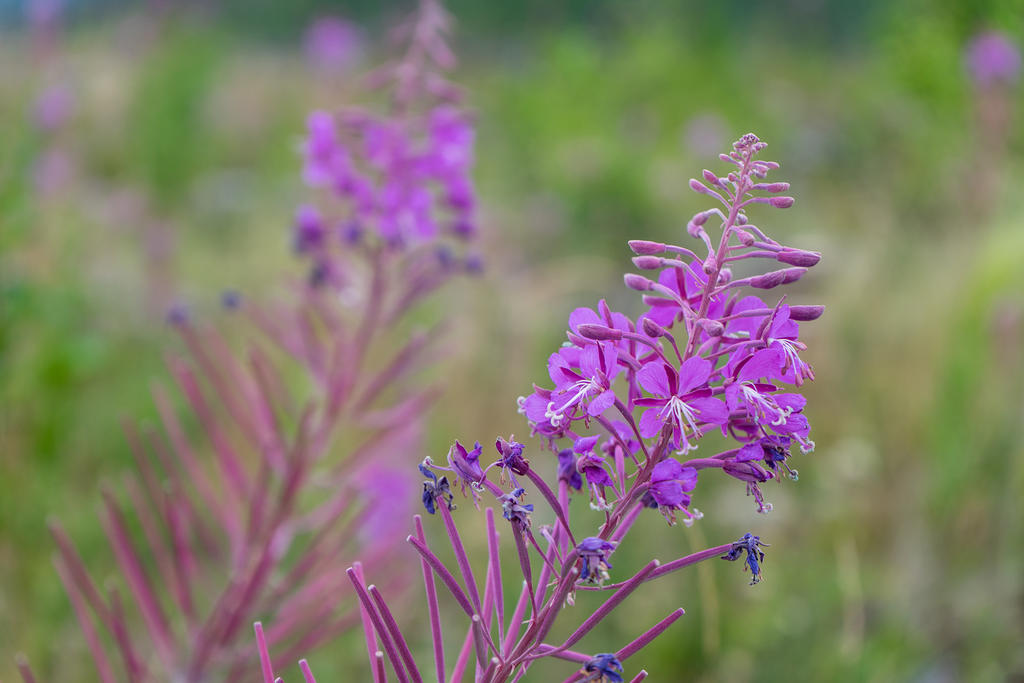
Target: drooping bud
{"type": "Point", "coordinates": [711, 177]}
{"type": "Point", "coordinates": [724, 276]}
{"type": "Point", "coordinates": [805, 313]}
{"type": "Point", "coordinates": [712, 327]}
{"type": "Point", "coordinates": [700, 218]}
{"type": "Point", "coordinates": [772, 187]}
{"type": "Point", "coordinates": [709, 264]}
{"type": "Point", "coordinates": [646, 247]}
{"type": "Point", "coordinates": [647, 262]}
{"type": "Point", "coordinates": [652, 329]}
{"type": "Point", "coordinates": [698, 186]}
{"type": "Point", "coordinates": [798, 257]}
{"type": "Point", "coordinates": [745, 238]}
{"type": "Point", "coordinates": [777, 277]}
{"type": "Point", "coordinates": [637, 282]}
{"type": "Point", "coordinates": [598, 332]}
{"type": "Point", "coordinates": [781, 202]}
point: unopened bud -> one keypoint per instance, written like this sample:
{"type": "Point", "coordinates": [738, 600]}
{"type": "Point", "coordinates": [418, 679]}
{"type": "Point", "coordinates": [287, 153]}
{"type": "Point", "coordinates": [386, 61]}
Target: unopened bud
{"type": "Point", "coordinates": [698, 186]}
{"type": "Point", "coordinates": [772, 187]}
{"type": "Point", "coordinates": [741, 219]}
{"type": "Point", "coordinates": [798, 257]}
{"type": "Point", "coordinates": [792, 275]}
{"type": "Point", "coordinates": [804, 313]}
{"type": "Point", "coordinates": [700, 218]}
{"type": "Point", "coordinates": [709, 264]}
{"type": "Point", "coordinates": [711, 177]}
{"type": "Point", "coordinates": [647, 262]}
{"type": "Point", "coordinates": [724, 275]}
{"type": "Point", "coordinates": [745, 238]}
{"type": "Point", "coordinates": [652, 329]}
{"type": "Point", "coordinates": [712, 327]}
{"type": "Point", "coordinates": [637, 282]}
{"type": "Point", "coordinates": [768, 280]}
{"type": "Point", "coordinates": [598, 332]}
{"type": "Point", "coordinates": [781, 202]}
{"type": "Point", "coordinates": [646, 247]}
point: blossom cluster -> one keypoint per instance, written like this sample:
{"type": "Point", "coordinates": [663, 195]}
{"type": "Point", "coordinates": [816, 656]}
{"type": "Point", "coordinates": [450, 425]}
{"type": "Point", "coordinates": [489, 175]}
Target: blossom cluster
{"type": "Point", "coordinates": [247, 504]}
{"type": "Point", "coordinates": [629, 398]}
{"type": "Point", "coordinates": [400, 180]}
{"type": "Point", "coordinates": [626, 391]}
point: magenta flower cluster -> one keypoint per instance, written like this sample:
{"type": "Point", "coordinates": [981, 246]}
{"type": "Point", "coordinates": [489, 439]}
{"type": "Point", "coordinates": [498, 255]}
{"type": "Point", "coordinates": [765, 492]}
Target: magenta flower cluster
{"type": "Point", "coordinates": [397, 181]}
{"type": "Point", "coordinates": [627, 391]}
{"type": "Point", "coordinates": [630, 397]}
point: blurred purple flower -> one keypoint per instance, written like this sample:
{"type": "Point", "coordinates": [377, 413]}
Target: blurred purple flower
{"type": "Point", "coordinates": [993, 58]}
{"type": "Point", "coordinates": [53, 108]}
{"type": "Point", "coordinates": [333, 44]}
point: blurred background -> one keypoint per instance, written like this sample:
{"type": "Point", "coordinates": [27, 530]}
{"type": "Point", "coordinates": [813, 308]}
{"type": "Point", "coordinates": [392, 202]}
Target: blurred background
{"type": "Point", "coordinates": [149, 156]}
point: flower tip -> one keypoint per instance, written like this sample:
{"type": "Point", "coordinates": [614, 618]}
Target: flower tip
{"type": "Point", "coordinates": [647, 262]}
{"type": "Point", "coordinates": [637, 282]}
{"type": "Point", "coordinates": [798, 257]}
{"type": "Point", "coordinates": [598, 332]}
{"type": "Point", "coordinates": [805, 313]}
{"type": "Point", "coordinates": [646, 247]}
{"type": "Point", "coordinates": [781, 202]}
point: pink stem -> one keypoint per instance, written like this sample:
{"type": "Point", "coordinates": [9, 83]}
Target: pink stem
{"type": "Point", "coordinates": [432, 607]}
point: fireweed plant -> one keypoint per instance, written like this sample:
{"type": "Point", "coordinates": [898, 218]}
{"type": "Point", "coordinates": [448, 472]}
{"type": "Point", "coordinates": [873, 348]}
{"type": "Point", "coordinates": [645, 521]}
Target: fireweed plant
{"type": "Point", "coordinates": [250, 522]}
{"type": "Point", "coordinates": [630, 403]}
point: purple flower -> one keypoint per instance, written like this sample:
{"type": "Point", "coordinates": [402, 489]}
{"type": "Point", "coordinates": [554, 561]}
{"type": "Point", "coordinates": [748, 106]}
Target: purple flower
{"type": "Point", "coordinates": [567, 471]}
{"type": "Point", "coordinates": [592, 466]}
{"type": "Point", "coordinates": [308, 231]}
{"type": "Point", "coordinates": [670, 487]}
{"type": "Point", "coordinates": [53, 108]}
{"type": "Point", "coordinates": [604, 667]}
{"type": "Point", "coordinates": [511, 453]}
{"type": "Point", "coordinates": [582, 377]}
{"type": "Point", "coordinates": [325, 158]}
{"type": "Point", "coordinates": [773, 450]}
{"type": "Point", "coordinates": [594, 553]}
{"type": "Point", "coordinates": [513, 510]}
{"type": "Point", "coordinates": [606, 317]}
{"type": "Point", "coordinates": [436, 489]}
{"type": "Point", "coordinates": [332, 44]}
{"type": "Point", "coordinates": [751, 545]}
{"type": "Point", "coordinates": [992, 58]}
{"type": "Point", "coordinates": [466, 464]}
{"type": "Point", "coordinates": [681, 400]}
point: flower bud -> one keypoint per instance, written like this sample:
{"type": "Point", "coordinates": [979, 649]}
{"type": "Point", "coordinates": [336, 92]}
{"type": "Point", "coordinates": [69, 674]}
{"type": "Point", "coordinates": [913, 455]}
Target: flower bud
{"type": "Point", "coordinates": [637, 282]}
{"type": "Point", "coordinates": [772, 187]}
{"type": "Point", "coordinates": [646, 247]}
{"type": "Point", "coordinates": [724, 275]}
{"type": "Point", "coordinates": [712, 327]}
{"type": "Point", "coordinates": [700, 218]}
{"type": "Point", "coordinates": [792, 274]}
{"type": "Point", "coordinates": [741, 219]}
{"type": "Point", "coordinates": [711, 177]}
{"type": "Point", "coordinates": [745, 238]}
{"type": "Point", "coordinates": [709, 264]}
{"type": "Point", "coordinates": [647, 262]}
{"type": "Point", "coordinates": [652, 329]}
{"type": "Point", "coordinates": [781, 202]}
{"type": "Point", "coordinates": [598, 332]}
{"type": "Point", "coordinates": [698, 186]}
{"type": "Point", "coordinates": [768, 280]}
{"type": "Point", "coordinates": [804, 313]}
{"type": "Point", "coordinates": [798, 257]}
